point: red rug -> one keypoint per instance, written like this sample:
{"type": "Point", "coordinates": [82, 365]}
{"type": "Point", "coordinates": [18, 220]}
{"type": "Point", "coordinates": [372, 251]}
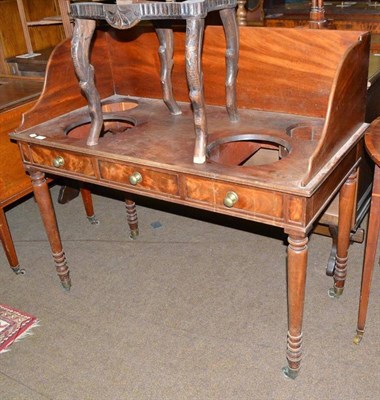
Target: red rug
{"type": "Point", "coordinates": [14, 325]}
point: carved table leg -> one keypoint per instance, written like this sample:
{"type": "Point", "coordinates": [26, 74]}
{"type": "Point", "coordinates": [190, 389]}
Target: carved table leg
{"type": "Point", "coordinates": [297, 264]}
{"type": "Point", "coordinates": [130, 206]}
{"type": "Point", "coordinates": [43, 198]}
{"type": "Point", "coordinates": [346, 209]}
{"type": "Point", "coordinates": [370, 254]}
{"type": "Point", "coordinates": [7, 242]}
{"type": "Point", "coordinates": [232, 55]}
{"type": "Point", "coordinates": [165, 51]}
{"type": "Point", "coordinates": [194, 37]}
{"type": "Point", "coordinates": [80, 51]}
{"type": "Point", "coordinates": [88, 205]}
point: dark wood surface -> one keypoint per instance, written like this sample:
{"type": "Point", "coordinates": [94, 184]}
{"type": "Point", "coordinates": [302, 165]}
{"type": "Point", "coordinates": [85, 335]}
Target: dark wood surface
{"type": "Point", "coordinates": [310, 117]}
{"type": "Point", "coordinates": [372, 141]}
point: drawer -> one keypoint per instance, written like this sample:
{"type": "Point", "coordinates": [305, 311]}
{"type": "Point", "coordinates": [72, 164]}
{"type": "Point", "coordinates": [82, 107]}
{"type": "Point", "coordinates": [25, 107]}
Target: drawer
{"type": "Point", "coordinates": [140, 177]}
{"type": "Point", "coordinates": [254, 201]}
{"type": "Point", "coordinates": [62, 159]}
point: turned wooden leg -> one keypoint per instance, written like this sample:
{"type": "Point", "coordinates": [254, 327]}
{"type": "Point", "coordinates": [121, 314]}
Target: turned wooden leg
{"type": "Point", "coordinates": [7, 242]}
{"type": "Point", "coordinates": [232, 55]}
{"type": "Point", "coordinates": [297, 264]}
{"type": "Point", "coordinates": [194, 38]}
{"type": "Point", "coordinates": [369, 256]}
{"type": "Point", "coordinates": [241, 13]}
{"type": "Point", "coordinates": [80, 51]}
{"type": "Point", "coordinates": [346, 208]}
{"type": "Point", "coordinates": [88, 205]}
{"type": "Point", "coordinates": [43, 198]}
{"type": "Point", "coordinates": [130, 206]}
{"type": "Point", "coordinates": [165, 51]}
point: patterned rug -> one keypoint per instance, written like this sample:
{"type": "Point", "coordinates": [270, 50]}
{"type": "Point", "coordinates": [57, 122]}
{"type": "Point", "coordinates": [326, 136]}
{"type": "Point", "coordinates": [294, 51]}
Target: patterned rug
{"type": "Point", "coordinates": [14, 325]}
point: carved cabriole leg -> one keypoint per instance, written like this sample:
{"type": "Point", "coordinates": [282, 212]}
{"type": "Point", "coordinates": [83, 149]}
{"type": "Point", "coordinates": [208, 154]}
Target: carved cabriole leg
{"type": "Point", "coordinates": [232, 55]}
{"type": "Point", "coordinates": [80, 51]}
{"type": "Point", "coordinates": [346, 209]}
{"type": "Point", "coordinates": [130, 206]}
{"type": "Point", "coordinates": [43, 198]}
{"type": "Point", "coordinates": [7, 242]}
{"type": "Point", "coordinates": [165, 51]}
{"type": "Point", "coordinates": [370, 254]}
{"type": "Point", "coordinates": [88, 205]}
{"type": "Point", "coordinates": [194, 37]}
{"type": "Point", "coordinates": [297, 264]}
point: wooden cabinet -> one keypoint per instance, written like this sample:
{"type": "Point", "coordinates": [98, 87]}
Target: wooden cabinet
{"type": "Point", "coordinates": [17, 95]}
{"type": "Point", "coordinates": [12, 42]}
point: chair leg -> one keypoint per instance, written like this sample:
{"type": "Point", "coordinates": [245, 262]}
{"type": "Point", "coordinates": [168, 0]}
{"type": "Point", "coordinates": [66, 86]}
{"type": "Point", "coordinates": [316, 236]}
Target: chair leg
{"type": "Point", "coordinates": [8, 245]}
{"type": "Point", "coordinates": [88, 205]}
{"type": "Point", "coordinates": [132, 220]}
{"type": "Point", "coordinates": [369, 256]}
{"type": "Point", "coordinates": [346, 208]}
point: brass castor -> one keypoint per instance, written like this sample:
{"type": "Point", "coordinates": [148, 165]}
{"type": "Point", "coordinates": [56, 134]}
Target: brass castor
{"type": "Point", "coordinates": [335, 292]}
{"type": "Point", "coordinates": [18, 271]}
{"type": "Point", "coordinates": [290, 373]}
{"type": "Point", "coordinates": [358, 337]}
{"type": "Point", "coordinates": [93, 220]}
{"type": "Point", "coordinates": [134, 234]}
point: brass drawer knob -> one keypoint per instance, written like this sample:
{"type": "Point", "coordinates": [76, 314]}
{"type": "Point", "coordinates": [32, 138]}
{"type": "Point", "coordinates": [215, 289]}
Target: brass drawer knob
{"type": "Point", "coordinates": [230, 199]}
{"type": "Point", "coordinates": [135, 178]}
{"type": "Point", "coordinates": [58, 162]}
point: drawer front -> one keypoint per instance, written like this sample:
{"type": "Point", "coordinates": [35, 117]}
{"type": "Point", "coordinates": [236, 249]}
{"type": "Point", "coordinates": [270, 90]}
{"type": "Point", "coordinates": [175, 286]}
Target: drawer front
{"type": "Point", "coordinates": [139, 177]}
{"type": "Point", "coordinates": [253, 201]}
{"type": "Point", "coordinates": [62, 159]}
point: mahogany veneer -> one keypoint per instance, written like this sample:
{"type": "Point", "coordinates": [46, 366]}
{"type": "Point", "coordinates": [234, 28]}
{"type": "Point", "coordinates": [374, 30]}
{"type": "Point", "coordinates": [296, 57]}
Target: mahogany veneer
{"type": "Point", "coordinates": [306, 113]}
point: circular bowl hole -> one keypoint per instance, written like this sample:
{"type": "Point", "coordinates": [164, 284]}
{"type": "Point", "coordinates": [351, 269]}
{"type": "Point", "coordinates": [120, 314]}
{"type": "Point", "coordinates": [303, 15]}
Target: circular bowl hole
{"type": "Point", "coordinates": [111, 126]}
{"type": "Point", "coordinates": [118, 105]}
{"type": "Point", "coordinates": [305, 131]}
{"type": "Point", "coordinates": [248, 150]}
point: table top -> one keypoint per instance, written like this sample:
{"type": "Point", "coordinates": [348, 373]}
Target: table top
{"type": "Point", "coordinates": [161, 140]}
{"type": "Point", "coordinates": [372, 141]}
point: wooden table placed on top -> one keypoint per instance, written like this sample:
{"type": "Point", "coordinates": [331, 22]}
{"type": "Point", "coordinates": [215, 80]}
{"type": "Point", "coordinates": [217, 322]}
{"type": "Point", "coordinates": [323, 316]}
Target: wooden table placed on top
{"type": "Point", "coordinates": [309, 117]}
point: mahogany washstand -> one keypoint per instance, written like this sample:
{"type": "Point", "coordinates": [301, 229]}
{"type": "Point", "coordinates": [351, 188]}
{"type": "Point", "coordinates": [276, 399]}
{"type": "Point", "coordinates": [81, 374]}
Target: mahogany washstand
{"type": "Point", "coordinates": [307, 116]}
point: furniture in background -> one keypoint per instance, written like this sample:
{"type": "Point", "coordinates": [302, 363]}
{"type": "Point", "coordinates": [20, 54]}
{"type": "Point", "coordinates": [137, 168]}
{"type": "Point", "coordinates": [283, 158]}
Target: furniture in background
{"type": "Point", "coordinates": [342, 15]}
{"type": "Point", "coordinates": [309, 118]}
{"type": "Point", "coordinates": [372, 142]}
{"type": "Point", "coordinates": [43, 38]}
{"type": "Point", "coordinates": [63, 19]}
{"type": "Point", "coordinates": [18, 95]}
